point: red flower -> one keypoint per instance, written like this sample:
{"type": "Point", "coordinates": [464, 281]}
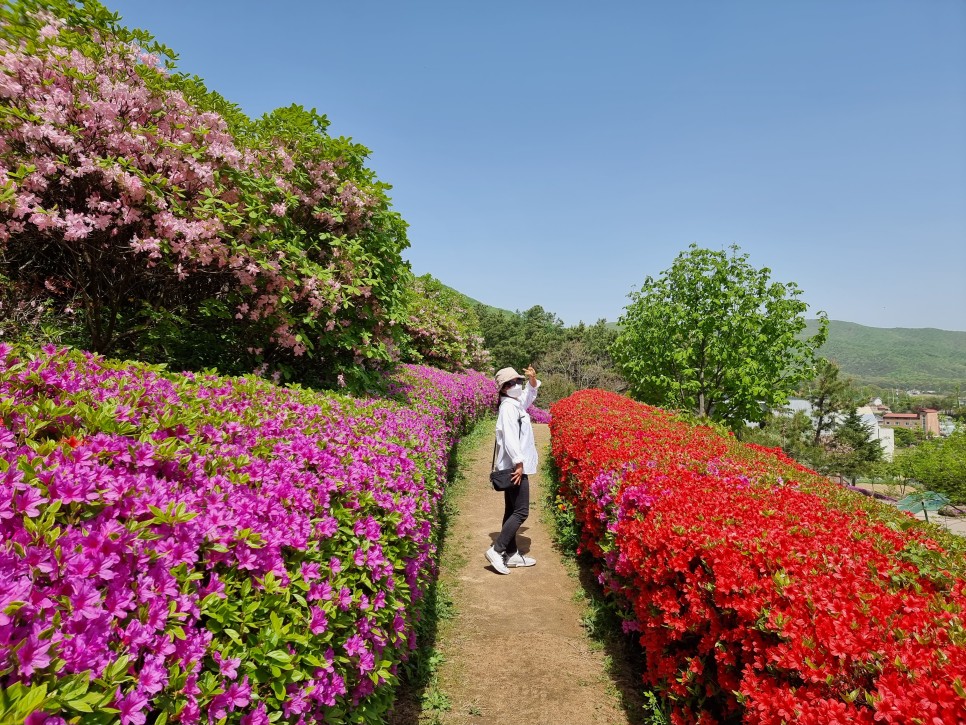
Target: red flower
{"type": "Point", "coordinates": [759, 589]}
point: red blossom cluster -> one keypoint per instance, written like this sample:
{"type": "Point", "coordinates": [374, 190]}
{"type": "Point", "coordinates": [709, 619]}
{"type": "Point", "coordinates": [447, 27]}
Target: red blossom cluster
{"type": "Point", "coordinates": [761, 592]}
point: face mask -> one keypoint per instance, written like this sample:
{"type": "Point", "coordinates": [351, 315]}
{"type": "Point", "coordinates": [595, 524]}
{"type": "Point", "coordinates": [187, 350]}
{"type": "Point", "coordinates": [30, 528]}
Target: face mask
{"type": "Point", "coordinates": [515, 391]}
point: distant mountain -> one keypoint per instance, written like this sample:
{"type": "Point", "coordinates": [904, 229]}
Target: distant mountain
{"type": "Point", "coordinates": [907, 358]}
{"type": "Point", "coordinates": [923, 358]}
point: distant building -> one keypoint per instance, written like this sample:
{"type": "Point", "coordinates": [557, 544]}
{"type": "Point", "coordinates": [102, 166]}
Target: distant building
{"type": "Point", "coordinates": [926, 420]}
{"type": "Point", "coordinates": [947, 427]}
{"type": "Point", "coordinates": [930, 421]}
{"type": "Point", "coordinates": [909, 421]}
{"type": "Point", "coordinates": [794, 405]}
{"type": "Point", "coordinates": [885, 436]}
{"type": "Point", "coordinates": [877, 432]}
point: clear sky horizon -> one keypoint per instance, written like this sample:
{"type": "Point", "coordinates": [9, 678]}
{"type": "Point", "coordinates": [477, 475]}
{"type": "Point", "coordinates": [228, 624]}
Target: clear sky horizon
{"type": "Point", "coordinates": [559, 153]}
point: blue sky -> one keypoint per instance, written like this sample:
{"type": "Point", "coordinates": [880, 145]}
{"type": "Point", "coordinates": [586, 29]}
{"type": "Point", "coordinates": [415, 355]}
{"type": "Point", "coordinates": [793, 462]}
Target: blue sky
{"type": "Point", "coordinates": [557, 153]}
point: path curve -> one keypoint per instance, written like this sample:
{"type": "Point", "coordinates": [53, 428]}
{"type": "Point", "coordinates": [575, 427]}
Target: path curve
{"type": "Point", "coordinates": [515, 650]}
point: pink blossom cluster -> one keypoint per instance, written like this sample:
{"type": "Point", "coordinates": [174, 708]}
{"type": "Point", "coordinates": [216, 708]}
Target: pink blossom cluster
{"type": "Point", "coordinates": [456, 399]}
{"type": "Point", "coordinates": [443, 328]}
{"type": "Point", "coordinates": [96, 136]}
{"type": "Point", "coordinates": [120, 190]}
{"type": "Point", "coordinates": [205, 547]}
{"type": "Point", "coordinates": [539, 415]}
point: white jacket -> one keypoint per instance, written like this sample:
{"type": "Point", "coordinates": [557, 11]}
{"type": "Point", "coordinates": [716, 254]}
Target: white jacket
{"type": "Point", "coordinates": [514, 432]}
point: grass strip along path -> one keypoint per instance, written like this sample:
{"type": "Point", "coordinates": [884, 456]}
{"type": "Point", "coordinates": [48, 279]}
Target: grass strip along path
{"type": "Point", "coordinates": [513, 648]}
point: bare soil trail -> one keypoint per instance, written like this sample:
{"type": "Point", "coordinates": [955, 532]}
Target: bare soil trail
{"type": "Point", "coordinates": [515, 651]}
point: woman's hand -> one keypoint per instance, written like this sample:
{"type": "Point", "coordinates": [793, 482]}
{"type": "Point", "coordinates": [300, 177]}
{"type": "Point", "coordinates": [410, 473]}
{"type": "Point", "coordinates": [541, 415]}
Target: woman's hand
{"type": "Point", "coordinates": [531, 375]}
{"type": "Point", "coordinates": [517, 474]}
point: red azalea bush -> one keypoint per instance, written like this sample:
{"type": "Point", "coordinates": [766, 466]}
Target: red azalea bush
{"type": "Point", "coordinates": [760, 591]}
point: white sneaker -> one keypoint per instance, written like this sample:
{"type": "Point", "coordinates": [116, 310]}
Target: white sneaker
{"type": "Point", "coordinates": [496, 561]}
{"type": "Point", "coordinates": [519, 559]}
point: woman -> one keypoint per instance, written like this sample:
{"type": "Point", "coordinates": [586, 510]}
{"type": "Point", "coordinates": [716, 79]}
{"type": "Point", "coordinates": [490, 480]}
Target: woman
{"type": "Point", "coordinates": [514, 449]}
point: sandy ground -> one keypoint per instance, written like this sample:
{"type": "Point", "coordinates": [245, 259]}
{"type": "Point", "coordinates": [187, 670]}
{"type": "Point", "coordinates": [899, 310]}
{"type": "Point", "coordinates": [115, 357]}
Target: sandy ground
{"type": "Point", "coordinates": [515, 650]}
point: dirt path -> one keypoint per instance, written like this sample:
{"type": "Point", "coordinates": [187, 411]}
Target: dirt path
{"type": "Point", "coordinates": [515, 651]}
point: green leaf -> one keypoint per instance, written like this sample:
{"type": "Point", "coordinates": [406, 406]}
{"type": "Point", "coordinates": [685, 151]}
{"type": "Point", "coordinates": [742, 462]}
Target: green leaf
{"type": "Point", "coordinates": [20, 700]}
{"type": "Point", "coordinates": [118, 667]}
{"type": "Point", "coordinates": [278, 687]}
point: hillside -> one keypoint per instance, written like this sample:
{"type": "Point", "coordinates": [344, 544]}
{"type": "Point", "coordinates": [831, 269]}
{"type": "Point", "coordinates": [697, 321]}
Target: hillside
{"type": "Point", "coordinates": [902, 357]}
{"type": "Point", "coordinates": [924, 358]}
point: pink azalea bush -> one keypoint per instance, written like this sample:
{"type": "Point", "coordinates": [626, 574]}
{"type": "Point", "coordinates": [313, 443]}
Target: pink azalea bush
{"type": "Point", "coordinates": [539, 415]}
{"type": "Point", "coordinates": [456, 399]}
{"type": "Point", "coordinates": [442, 328]}
{"type": "Point", "coordinates": [195, 548]}
{"type": "Point", "coordinates": [156, 221]}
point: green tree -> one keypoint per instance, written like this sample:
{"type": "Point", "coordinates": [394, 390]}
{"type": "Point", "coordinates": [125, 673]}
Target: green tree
{"type": "Point", "coordinates": [599, 339]}
{"type": "Point", "coordinates": [906, 438]}
{"type": "Point", "coordinates": [502, 334]}
{"type": "Point", "coordinates": [715, 335]}
{"type": "Point", "coordinates": [520, 338]}
{"type": "Point", "coordinates": [792, 432]}
{"type": "Point", "coordinates": [939, 465]}
{"type": "Point", "coordinates": [574, 365]}
{"type": "Point", "coordinates": [798, 439]}
{"type": "Point", "coordinates": [830, 395]}
{"type": "Point", "coordinates": [853, 452]}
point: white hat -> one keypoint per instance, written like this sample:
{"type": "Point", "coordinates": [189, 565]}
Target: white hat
{"type": "Point", "coordinates": [506, 375]}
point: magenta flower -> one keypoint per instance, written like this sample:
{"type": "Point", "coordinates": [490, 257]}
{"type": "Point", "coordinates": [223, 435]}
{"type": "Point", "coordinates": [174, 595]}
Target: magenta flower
{"type": "Point", "coordinates": [345, 598]}
{"type": "Point", "coordinates": [322, 590]}
{"type": "Point", "coordinates": [33, 655]}
{"type": "Point", "coordinates": [258, 716]}
{"type": "Point", "coordinates": [153, 676]}
{"type": "Point", "coordinates": [318, 623]}
{"type": "Point", "coordinates": [256, 480]}
{"type": "Point", "coordinates": [240, 693]}
{"type": "Point", "coordinates": [227, 666]}
{"type": "Point", "coordinates": [27, 501]}
{"type": "Point", "coordinates": [310, 571]}
{"type": "Point", "coordinates": [85, 599]}
{"type": "Point", "coordinates": [42, 718]}
{"type": "Point", "coordinates": [367, 663]}
{"type": "Point", "coordinates": [131, 707]}
{"type": "Point", "coordinates": [355, 645]}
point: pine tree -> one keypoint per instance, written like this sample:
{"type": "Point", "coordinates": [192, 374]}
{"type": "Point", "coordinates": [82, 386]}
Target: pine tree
{"type": "Point", "coordinates": [855, 451]}
{"type": "Point", "coordinates": [829, 395]}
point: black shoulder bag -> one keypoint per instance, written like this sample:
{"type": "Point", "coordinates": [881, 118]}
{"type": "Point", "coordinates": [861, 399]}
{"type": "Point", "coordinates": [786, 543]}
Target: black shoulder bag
{"type": "Point", "coordinates": [501, 479]}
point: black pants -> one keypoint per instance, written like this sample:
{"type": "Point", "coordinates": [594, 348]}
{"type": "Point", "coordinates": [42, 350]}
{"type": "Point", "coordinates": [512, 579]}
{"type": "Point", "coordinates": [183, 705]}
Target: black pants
{"type": "Point", "coordinates": [516, 508]}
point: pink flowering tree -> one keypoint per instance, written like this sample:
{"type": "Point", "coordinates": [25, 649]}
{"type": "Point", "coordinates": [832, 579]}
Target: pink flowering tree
{"type": "Point", "coordinates": [158, 222]}
{"type": "Point", "coordinates": [442, 328]}
{"type": "Point", "coordinates": [103, 181]}
{"type": "Point", "coordinates": [326, 282]}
